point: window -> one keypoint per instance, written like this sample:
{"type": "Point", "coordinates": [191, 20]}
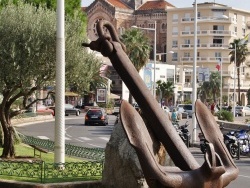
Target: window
{"type": "Point", "coordinates": [218, 27]}
{"type": "Point", "coordinates": [235, 29]}
{"type": "Point", "coordinates": [170, 75]}
{"type": "Point", "coordinates": [243, 19]}
{"type": "Point", "coordinates": [175, 31]}
{"type": "Point", "coordinates": [175, 18]}
{"type": "Point", "coordinates": [174, 44]}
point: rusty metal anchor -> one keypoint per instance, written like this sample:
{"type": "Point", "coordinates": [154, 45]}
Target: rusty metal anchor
{"type": "Point", "coordinates": [218, 169]}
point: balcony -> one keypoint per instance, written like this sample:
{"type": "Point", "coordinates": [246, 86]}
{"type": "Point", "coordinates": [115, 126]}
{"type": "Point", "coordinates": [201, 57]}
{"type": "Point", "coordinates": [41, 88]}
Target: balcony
{"type": "Point", "coordinates": [205, 46]}
{"type": "Point", "coordinates": [205, 59]}
{"type": "Point", "coordinates": [207, 19]}
{"type": "Point", "coordinates": [210, 33]}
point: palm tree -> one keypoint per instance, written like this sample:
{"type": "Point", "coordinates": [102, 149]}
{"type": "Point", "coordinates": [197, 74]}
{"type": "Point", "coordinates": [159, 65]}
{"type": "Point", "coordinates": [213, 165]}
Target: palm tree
{"type": "Point", "coordinates": [137, 48]}
{"type": "Point", "coordinates": [166, 89]}
{"type": "Point", "coordinates": [241, 52]}
{"type": "Point", "coordinates": [204, 91]}
{"type": "Point", "coordinates": [215, 84]}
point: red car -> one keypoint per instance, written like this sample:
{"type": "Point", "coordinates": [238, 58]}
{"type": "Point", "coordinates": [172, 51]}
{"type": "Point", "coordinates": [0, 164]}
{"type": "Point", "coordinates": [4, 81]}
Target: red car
{"type": "Point", "coordinates": [43, 109]}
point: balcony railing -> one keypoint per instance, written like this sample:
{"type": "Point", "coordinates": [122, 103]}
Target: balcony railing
{"type": "Point", "coordinates": [205, 45]}
{"type": "Point", "coordinates": [205, 59]}
{"type": "Point", "coordinates": [209, 32]}
{"type": "Point", "coordinates": [208, 19]}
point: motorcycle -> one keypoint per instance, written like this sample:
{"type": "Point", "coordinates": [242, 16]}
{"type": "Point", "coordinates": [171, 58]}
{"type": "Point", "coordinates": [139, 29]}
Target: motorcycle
{"type": "Point", "coordinates": [203, 143]}
{"type": "Point", "coordinates": [184, 133]}
{"type": "Point", "coordinates": [237, 142]}
{"type": "Point", "coordinates": [231, 143]}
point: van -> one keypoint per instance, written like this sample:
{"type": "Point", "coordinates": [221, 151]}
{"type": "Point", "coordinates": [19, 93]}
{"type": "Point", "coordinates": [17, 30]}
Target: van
{"type": "Point", "coordinates": [189, 109]}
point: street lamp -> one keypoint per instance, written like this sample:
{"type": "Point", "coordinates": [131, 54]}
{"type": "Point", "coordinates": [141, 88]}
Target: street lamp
{"type": "Point", "coordinates": [152, 29]}
{"type": "Point", "coordinates": [234, 78]}
{"type": "Point", "coordinates": [60, 87]}
{"type": "Point", "coordinates": [194, 95]}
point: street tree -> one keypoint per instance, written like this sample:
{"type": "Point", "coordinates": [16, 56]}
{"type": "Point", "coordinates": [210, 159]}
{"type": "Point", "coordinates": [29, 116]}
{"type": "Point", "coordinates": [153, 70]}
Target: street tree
{"type": "Point", "coordinates": [215, 84]}
{"type": "Point", "coordinates": [204, 91]}
{"type": "Point", "coordinates": [165, 90]}
{"type": "Point", "coordinates": [137, 48]}
{"type": "Point", "coordinates": [28, 59]}
{"type": "Point", "coordinates": [241, 53]}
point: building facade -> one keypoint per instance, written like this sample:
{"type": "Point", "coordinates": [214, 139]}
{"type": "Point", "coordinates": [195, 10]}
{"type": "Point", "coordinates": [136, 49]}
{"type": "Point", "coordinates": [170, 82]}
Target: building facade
{"type": "Point", "coordinates": [217, 26]}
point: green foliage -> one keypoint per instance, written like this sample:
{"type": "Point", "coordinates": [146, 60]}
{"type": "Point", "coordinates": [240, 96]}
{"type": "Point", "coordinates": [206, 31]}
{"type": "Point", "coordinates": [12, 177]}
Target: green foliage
{"type": "Point", "coordinates": [241, 53]}
{"type": "Point", "coordinates": [165, 89]}
{"type": "Point", "coordinates": [225, 115]}
{"type": "Point", "coordinates": [137, 47]}
{"type": "Point", "coordinates": [28, 56]}
{"type": "Point", "coordinates": [211, 87]}
{"type": "Point", "coordinates": [188, 102]}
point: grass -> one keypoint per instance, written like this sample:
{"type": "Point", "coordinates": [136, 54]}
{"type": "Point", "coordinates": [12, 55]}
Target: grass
{"type": "Point", "coordinates": [23, 150]}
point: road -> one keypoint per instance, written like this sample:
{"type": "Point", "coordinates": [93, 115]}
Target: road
{"type": "Point", "coordinates": [76, 133]}
{"type": "Point", "coordinates": [97, 136]}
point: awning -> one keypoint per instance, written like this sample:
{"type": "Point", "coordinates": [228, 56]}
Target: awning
{"type": "Point", "coordinates": [71, 94]}
{"type": "Point", "coordinates": [114, 96]}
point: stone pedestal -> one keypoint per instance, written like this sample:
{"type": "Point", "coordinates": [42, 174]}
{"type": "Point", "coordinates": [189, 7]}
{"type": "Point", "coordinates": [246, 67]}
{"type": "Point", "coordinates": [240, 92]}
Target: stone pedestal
{"type": "Point", "coordinates": [122, 168]}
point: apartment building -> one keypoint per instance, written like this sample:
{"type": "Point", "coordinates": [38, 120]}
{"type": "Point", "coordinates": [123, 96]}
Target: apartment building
{"type": "Point", "coordinates": [217, 26]}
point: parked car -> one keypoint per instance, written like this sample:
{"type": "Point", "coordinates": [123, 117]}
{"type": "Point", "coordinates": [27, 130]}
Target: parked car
{"type": "Point", "coordinates": [189, 109]}
{"type": "Point", "coordinates": [242, 110]}
{"type": "Point", "coordinates": [40, 108]}
{"type": "Point", "coordinates": [71, 110]}
{"type": "Point", "coordinates": [180, 110]}
{"type": "Point", "coordinates": [96, 116]}
{"type": "Point", "coordinates": [116, 109]}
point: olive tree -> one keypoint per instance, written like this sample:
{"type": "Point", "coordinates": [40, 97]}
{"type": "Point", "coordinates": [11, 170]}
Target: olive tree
{"type": "Point", "coordinates": [28, 58]}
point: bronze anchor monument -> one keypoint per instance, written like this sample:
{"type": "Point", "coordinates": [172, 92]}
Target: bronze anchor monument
{"type": "Point", "coordinates": [218, 169]}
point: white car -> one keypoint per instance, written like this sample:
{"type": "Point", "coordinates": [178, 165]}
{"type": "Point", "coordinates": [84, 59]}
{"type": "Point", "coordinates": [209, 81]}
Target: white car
{"type": "Point", "coordinates": [242, 110]}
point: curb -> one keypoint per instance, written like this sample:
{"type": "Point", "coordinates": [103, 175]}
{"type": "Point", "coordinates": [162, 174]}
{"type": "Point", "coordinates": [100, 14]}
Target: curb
{"type": "Point", "coordinates": [29, 120]}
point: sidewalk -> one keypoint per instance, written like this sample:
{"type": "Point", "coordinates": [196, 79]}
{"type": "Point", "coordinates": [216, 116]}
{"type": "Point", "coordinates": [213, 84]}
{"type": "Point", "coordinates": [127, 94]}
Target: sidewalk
{"type": "Point", "coordinates": [21, 121]}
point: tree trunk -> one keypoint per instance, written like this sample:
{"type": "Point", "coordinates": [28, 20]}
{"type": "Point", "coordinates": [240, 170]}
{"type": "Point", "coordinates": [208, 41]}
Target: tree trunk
{"type": "Point", "coordinates": [8, 142]}
{"type": "Point", "coordinates": [8, 146]}
{"type": "Point", "coordinates": [238, 75]}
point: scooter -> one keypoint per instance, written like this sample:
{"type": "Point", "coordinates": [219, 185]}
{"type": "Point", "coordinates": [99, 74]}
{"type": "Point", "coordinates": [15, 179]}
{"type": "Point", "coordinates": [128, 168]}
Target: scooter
{"type": "Point", "coordinates": [203, 143]}
{"type": "Point", "coordinates": [184, 133]}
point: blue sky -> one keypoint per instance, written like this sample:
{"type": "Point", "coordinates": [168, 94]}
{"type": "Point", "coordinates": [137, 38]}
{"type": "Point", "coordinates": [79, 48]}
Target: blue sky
{"type": "Point", "coordinates": [240, 4]}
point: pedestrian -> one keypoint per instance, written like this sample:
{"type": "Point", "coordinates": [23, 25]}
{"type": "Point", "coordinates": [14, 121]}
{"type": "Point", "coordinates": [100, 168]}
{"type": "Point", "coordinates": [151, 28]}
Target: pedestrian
{"type": "Point", "coordinates": [174, 115]}
{"type": "Point", "coordinates": [213, 108]}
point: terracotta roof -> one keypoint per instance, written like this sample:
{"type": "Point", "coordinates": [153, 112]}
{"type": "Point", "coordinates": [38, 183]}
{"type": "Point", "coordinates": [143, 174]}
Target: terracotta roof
{"type": "Point", "coordinates": [118, 4]}
{"type": "Point", "coordinates": [155, 5]}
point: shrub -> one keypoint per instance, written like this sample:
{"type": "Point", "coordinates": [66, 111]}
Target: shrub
{"type": "Point", "coordinates": [225, 115]}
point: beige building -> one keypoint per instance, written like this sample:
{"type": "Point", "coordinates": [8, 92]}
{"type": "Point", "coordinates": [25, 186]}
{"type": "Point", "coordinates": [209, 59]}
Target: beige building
{"type": "Point", "coordinates": [217, 26]}
{"type": "Point", "coordinates": [175, 32]}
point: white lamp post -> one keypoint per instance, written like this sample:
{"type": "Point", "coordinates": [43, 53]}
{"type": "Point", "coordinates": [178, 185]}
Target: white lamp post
{"type": "Point", "coordinates": [194, 95]}
{"type": "Point", "coordinates": [234, 78]}
{"type": "Point", "coordinates": [221, 84]}
{"type": "Point", "coordinates": [60, 86]}
{"type": "Point", "coordinates": [152, 29]}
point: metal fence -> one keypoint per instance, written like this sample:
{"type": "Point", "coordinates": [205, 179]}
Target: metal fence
{"type": "Point", "coordinates": [38, 170]}
{"type": "Point", "coordinates": [70, 150]}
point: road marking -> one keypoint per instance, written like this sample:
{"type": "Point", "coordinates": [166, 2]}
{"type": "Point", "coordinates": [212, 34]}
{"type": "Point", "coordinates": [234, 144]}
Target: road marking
{"type": "Point", "coordinates": [244, 176]}
{"type": "Point", "coordinates": [79, 140]}
{"type": "Point", "coordinates": [68, 128]}
{"type": "Point", "coordinates": [85, 138]}
{"type": "Point", "coordinates": [95, 145]}
{"type": "Point", "coordinates": [104, 138]}
{"type": "Point", "coordinates": [66, 138]}
{"type": "Point", "coordinates": [43, 137]}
